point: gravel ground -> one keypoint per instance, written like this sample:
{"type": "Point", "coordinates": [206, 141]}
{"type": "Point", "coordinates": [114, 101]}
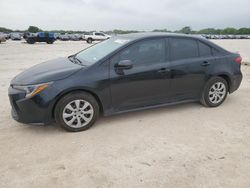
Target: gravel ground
{"type": "Point", "coordinates": [186, 145]}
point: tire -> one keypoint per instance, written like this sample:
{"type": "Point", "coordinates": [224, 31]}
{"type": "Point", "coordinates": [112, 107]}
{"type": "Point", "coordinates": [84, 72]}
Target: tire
{"type": "Point", "coordinates": [215, 92]}
{"type": "Point", "coordinates": [50, 42]}
{"type": "Point", "coordinates": [31, 41]}
{"type": "Point", "coordinates": [89, 40]}
{"type": "Point", "coordinates": [82, 119]}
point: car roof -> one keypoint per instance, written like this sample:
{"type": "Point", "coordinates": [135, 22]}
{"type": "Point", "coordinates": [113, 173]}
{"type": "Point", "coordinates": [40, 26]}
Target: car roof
{"type": "Point", "coordinates": [144, 35]}
{"type": "Point", "coordinates": [141, 35]}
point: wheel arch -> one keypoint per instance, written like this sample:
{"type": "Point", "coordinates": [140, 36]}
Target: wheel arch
{"type": "Point", "coordinates": [62, 94]}
{"type": "Point", "coordinates": [227, 78]}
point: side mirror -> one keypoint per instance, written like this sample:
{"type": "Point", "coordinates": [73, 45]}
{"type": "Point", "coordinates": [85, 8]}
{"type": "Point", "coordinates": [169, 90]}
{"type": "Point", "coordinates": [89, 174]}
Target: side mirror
{"type": "Point", "coordinates": [124, 65]}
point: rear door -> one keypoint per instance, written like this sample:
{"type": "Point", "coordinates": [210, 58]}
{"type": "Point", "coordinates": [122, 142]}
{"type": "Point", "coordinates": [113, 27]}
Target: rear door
{"type": "Point", "coordinates": [190, 62]}
{"type": "Point", "coordinates": [147, 82]}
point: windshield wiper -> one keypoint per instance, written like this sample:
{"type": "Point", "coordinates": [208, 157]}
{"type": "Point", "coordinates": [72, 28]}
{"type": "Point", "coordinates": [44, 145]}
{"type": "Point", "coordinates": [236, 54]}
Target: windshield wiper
{"type": "Point", "coordinates": [78, 60]}
{"type": "Point", "coordinates": [75, 60]}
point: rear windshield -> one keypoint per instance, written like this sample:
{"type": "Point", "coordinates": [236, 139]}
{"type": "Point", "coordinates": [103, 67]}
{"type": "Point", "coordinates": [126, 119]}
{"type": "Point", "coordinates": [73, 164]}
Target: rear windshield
{"type": "Point", "coordinates": [96, 52]}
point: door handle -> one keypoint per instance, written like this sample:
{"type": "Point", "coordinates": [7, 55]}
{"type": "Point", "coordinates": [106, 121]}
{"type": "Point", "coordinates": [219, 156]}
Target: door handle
{"type": "Point", "coordinates": [164, 70]}
{"type": "Point", "coordinates": [205, 63]}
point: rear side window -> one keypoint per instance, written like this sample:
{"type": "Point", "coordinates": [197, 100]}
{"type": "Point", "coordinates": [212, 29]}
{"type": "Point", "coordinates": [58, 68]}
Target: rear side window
{"type": "Point", "coordinates": [145, 52]}
{"type": "Point", "coordinates": [215, 52]}
{"type": "Point", "coordinates": [183, 48]}
{"type": "Point", "coordinates": [205, 50]}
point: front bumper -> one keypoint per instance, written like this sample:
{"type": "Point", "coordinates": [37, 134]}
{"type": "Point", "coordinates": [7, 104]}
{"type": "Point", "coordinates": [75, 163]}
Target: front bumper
{"type": "Point", "coordinates": [35, 110]}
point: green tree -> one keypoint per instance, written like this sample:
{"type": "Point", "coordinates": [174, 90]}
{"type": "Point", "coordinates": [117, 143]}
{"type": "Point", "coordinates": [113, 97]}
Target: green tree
{"type": "Point", "coordinates": [229, 31]}
{"type": "Point", "coordinates": [3, 29]}
{"type": "Point", "coordinates": [160, 30]}
{"type": "Point", "coordinates": [33, 29]}
{"type": "Point", "coordinates": [118, 31]}
{"type": "Point", "coordinates": [186, 30]}
{"type": "Point", "coordinates": [207, 31]}
{"type": "Point", "coordinates": [243, 31]}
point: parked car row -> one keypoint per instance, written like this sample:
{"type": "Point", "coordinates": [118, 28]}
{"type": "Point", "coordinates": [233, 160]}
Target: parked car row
{"type": "Point", "coordinates": [50, 37]}
{"type": "Point", "coordinates": [12, 36]}
{"type": "Point", "coordinates": [89, 38]}
{"type": "Point", "coordinates": [226, 36]}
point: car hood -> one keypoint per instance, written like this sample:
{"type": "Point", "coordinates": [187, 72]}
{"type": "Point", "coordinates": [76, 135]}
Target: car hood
{"type": "Point", "coordinates": [46, 72]}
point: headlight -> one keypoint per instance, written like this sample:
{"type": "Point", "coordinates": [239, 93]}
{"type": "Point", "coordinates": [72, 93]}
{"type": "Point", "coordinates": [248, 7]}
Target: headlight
{"type": "Point", "coordinates": [32, 90]}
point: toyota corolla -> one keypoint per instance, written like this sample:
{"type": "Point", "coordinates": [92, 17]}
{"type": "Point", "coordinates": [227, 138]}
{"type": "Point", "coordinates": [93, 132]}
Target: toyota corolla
{"type": "Point", "coordinates": [124, 73]}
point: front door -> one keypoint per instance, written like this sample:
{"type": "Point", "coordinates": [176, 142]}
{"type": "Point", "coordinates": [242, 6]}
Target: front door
{"type": "Point", "coordinates": [144, 83]}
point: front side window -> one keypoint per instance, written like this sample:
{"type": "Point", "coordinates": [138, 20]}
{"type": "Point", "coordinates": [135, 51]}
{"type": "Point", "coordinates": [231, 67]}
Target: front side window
{"type": "Point", "coordinates": [145, 52]}
{"type": "Point", "coordinates": [182, 48]}
{"type": "Point", "coordinates": [99, 34]}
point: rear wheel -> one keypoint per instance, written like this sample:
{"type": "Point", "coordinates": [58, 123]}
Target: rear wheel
{"type": "Point", "coordinates": [50, 42]}
{"type": "Point", "coordinates": [215, 92]}
{"type": "Point", "coordinates": [89, 40]}
{"type": "Point", "coordinates": [77, 111]}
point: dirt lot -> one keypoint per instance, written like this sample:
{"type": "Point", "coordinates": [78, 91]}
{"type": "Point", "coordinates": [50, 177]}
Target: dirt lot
{"type": "Point", "coordinates": [178, 146]}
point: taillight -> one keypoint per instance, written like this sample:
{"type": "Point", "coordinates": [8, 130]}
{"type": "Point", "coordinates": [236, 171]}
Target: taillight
{"type": "Point", "coordinates": [238, 60]}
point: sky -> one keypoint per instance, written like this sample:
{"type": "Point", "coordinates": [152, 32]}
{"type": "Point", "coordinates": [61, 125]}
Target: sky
{"type": "Point", "coordinates": [124, 14]}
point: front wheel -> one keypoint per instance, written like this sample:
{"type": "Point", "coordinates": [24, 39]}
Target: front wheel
{"type": "Point", "coordinates": [215, 92]}
{"type": "Point", "coordinates": [77, 111]}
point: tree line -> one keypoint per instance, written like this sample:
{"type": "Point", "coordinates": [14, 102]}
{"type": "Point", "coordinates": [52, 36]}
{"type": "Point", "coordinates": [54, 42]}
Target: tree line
{"type": "Point", "coordinates": [185, 30]}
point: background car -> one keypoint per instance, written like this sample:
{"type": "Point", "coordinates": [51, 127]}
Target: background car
{"type": "Point", "coordinates": [5, 35]}
{"type": "Point", "coordinates": [64, 36]}
{"type": "Point", "coordinates": [96, 36]}
{"type": "Point", "coordinates": [2, 38]}
{"type": "Point", "coordinates": [75, 37]}
{"type": "Point", "coordinates": [48, 37]}
{"type": "Point", "coordinates": [15, 36]}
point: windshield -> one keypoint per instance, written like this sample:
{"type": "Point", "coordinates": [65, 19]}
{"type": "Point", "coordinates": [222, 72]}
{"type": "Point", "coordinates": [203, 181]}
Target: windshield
{"type": "Point", "coordinates": [96, 52]}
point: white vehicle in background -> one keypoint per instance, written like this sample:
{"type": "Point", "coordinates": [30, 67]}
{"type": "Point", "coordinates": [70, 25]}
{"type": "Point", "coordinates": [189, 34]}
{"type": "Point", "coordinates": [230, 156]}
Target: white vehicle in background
{"type": "Point", "coordinates": [15, 36]}
{"type": "Point", "coordinates": [4, 35]}
{"type": "Point", "coordinates": [96, 36]}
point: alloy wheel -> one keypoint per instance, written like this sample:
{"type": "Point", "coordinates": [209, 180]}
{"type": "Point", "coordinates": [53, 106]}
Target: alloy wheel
{"type": "Point", "coordinates": [78, 113]}
{"type": "Point", "coordinates": [217, 92]}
